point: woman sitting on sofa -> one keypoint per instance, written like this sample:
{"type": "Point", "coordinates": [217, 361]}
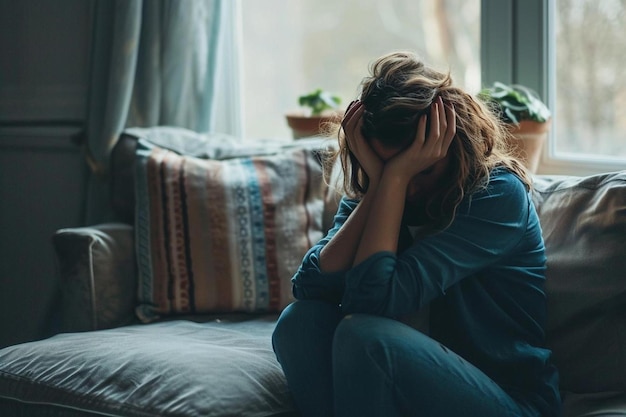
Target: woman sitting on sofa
{"type": "Point", "coordinates": [435, 214]}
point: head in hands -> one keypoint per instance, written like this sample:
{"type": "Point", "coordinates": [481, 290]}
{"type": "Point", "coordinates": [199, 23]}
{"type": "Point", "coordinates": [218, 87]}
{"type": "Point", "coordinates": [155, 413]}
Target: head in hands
{"type": "Point", "coordinates": [406, 106]}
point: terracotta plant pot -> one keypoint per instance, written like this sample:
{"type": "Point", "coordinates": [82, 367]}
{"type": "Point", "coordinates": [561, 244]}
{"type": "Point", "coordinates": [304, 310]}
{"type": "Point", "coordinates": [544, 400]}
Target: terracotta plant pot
{"type": "Point", "coordinates": [305, 126]}
{"type": "Point", "coordinates": [527, 142]}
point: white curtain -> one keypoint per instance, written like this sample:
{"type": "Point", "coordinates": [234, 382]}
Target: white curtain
{"type": "Point", "coordinates": [153, 62]}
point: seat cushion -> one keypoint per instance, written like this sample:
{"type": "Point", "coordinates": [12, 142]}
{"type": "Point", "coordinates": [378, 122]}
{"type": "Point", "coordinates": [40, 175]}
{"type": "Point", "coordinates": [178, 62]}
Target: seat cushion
{"type": "Point", "coordinates": [175, 368]}
{"type": "Point", "coordinates": [601, 404]}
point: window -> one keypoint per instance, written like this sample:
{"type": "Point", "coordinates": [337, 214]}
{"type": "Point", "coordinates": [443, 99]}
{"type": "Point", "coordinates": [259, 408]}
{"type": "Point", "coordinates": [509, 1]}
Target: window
{"type": "Point", "coordinates": [567, 50]}
{"type": "Point", "coordinates": [590, 84]}
{"type": "Point", "coordinates": [570, 52]}
{"type": "Point", "coordinates": [293, 47]}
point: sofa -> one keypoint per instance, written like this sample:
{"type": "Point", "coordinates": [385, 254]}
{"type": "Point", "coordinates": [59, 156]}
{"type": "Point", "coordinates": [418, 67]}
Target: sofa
{"type": "Point", "coordinates": [169, 310]}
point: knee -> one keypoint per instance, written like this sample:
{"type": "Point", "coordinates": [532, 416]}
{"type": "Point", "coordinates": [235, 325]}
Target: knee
{"type": "Point", "coordinates": [359, 344]}
{"type": "Point", "coordinates": [303, 315]}
{"type": "Point", "coordinates": [369, 330]}
{"type": "Point", "coordinates": [354, 336]}
{"type": "Point", "coordinates": [303, 320]}
{"type": "Point", "coordinates": [359, 353]}
{"type": "Point", "coordinates": [361, 339]}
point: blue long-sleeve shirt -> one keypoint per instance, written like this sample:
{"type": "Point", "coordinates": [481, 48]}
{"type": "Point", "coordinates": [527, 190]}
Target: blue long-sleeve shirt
{"type": "Point", "coordinates": [483, 278]}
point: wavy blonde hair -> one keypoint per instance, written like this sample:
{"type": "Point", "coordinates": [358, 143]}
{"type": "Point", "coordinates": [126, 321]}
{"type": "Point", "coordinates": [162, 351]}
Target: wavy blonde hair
{"type": "Point", "coordinates": [399, 89]}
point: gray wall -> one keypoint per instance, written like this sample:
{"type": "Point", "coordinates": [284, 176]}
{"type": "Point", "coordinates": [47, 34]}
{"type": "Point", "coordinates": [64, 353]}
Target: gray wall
{"type": "Point", "coordinates": [44, 69]}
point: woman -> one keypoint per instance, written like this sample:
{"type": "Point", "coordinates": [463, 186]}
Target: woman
{"type": "Point", "coordinates": [436, 215]}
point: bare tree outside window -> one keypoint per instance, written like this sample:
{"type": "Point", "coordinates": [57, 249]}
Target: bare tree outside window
{"type": "Point", "coordinates": [293, 47]}
{"type": "Point", "coordinates": [590, 78]}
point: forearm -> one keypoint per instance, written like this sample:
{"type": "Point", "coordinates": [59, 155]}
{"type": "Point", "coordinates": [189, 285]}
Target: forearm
{"type": "Point", "coordinates": [339, 253]}
{"type": "Point", "coordinates": [382, 228]}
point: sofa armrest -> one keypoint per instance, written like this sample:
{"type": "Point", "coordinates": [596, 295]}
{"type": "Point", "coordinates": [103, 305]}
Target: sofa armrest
{"type": "Point", "coordinates": [97, 276]}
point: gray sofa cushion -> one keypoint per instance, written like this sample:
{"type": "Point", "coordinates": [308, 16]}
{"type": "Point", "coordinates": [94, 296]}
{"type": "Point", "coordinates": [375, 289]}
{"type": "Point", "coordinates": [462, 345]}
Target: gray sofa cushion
{"type": "Point", "coordinates": [177, 368]}
{"type": "Point", "coordinates": [603, 404]}
{"type": "Point", "coordinates": [584, 228]}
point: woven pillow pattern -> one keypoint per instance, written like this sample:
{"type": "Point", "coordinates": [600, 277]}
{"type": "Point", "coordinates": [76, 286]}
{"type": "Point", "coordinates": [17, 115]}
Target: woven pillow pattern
{"type": "Point", "coordinates": [223, 235]}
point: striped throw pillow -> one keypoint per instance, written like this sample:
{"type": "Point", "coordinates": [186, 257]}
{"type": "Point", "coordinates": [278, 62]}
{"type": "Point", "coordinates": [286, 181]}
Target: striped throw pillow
{"type": "Point", "coordinates": [223, 235]}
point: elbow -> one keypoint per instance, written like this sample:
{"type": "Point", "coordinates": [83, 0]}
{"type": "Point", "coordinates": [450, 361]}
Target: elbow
{"type": "Point", "coordinates": [368, 297]}
{"type": "Point", "coordinates": [375, 309]}
{"type": "Point", "coordinates": [385, 295]}
{"type": "Point", "coordinates": [327, 288]}
{"type": "Point", "coordinates": [298, 292]}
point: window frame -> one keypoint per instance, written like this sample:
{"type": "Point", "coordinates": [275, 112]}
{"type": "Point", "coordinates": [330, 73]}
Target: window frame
{"type": "Point", "coordinates": [513, 51]}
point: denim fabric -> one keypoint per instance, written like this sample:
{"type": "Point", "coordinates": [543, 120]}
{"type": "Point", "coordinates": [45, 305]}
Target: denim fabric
{"type": "Point", "coordinates": [364, 365]}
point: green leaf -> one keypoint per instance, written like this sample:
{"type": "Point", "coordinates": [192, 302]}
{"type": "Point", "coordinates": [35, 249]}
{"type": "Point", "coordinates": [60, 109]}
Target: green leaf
{"type": "Point", "coordinates": [318, 101]}
{"type": "Point", "coordinates": [516, 102]}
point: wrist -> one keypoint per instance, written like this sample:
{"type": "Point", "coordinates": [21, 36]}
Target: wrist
{"type": "Point", "coordinates": [373, 184]}
{"type": "Point", "coordinates": [394, 179]}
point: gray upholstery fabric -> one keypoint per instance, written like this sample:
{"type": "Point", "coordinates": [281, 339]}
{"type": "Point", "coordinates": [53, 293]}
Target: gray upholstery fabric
{"type": "Point", "coordinates": [178, 368]}
{"type": "Point", "coordinates": [98, 276]}
{"type": "Point", "coordinates": [584, 227]}
{"type": "Point", "coordinates": [227, 368]}
{"type": "Point", "coordinates": [603, 404]}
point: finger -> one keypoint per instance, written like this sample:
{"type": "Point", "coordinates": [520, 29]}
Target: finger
{"type": "Point", "coordinates": [352, 103]}
{"type": "Point", "coordinates": [353, 119]}
{"type": "Point", "coordinates": [352, 129]}
{"type": "Point", "coordinates": [347, 124]}
{"type": "Point", "coordinates": [440, 143]}
{"type": "Point", "coordinates": [451, 130]}
{"type": "Point", "coordinates": [443, 122]}
{"type": "Point", "coordinates": [352, 109]}
{"type": "Point", "coordinates": [420, 135]}
{"type": "Point", "coordinates": [435, 131]}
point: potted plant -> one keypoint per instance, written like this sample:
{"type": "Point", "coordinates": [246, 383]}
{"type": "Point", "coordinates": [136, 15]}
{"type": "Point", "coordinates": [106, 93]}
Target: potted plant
{"type": "Point", "coordinates": [526, 114]}
{"type": "Point", "coordinates": [318, 107]}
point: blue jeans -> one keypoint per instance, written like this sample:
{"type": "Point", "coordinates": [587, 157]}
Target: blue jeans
{"type": "Point", "coordinates": [362, 365]}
